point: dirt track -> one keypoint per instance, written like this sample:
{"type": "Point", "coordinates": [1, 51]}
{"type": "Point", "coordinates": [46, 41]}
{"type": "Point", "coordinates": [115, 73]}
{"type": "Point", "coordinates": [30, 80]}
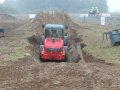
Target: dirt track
{"type": "Point", "coordinates": [27, 74]}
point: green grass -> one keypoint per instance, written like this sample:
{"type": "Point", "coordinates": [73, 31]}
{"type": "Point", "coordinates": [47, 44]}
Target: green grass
{"type": "Point", "coordinates": [19, 52]}
{"type": "Point", "coordinates": [93, 37]}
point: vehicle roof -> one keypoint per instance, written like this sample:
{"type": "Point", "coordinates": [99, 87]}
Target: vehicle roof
{"type": "Point", "coordinates": [55, 26]}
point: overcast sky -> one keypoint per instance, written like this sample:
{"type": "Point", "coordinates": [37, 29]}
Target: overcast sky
{"type": "Point", "coordinates": [2, 1]}
{"type": "Point", "coordinates": [114, 5]}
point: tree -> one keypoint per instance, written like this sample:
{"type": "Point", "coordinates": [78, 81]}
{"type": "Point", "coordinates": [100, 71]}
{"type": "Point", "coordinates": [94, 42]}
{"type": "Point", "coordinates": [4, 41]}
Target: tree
{"type": "Point", "coordinates": [68, 5]}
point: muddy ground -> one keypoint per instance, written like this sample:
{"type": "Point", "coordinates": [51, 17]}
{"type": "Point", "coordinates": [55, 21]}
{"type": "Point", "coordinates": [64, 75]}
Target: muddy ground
{"type": "Point", "coordinates": [28, 74]}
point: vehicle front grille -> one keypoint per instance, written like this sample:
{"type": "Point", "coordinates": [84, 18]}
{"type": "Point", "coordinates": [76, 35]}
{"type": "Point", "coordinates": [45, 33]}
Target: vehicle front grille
{"type": "Point", "coordinates": [53, 49]}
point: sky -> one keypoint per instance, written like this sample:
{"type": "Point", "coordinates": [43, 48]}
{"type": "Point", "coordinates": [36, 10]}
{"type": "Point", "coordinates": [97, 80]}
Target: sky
{"type": "Point", "coordinates": [114, 5]}
{"type": "Point", "coordinates": [1, 1]}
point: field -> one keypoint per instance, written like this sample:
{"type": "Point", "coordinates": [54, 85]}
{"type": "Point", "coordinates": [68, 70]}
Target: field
{"type": "Point", "coordinates": [94, 67]}
{"type": "Point", "coordinates": [92, 35]}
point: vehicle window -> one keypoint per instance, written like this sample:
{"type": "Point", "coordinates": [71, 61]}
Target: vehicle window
{"type": "Point", "coordinates": [54, 33]}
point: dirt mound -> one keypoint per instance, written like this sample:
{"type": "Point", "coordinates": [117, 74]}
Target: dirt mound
{"type": "Point", "coordinates": [46, 17]}
{"type": "Point", "coordinates": [56, 18]}
{"type": "Point", "coordinates": [7, 17]}
{"type": "Point", "coordinates": [10, 23]}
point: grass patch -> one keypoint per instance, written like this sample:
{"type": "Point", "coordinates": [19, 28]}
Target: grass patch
{"type": "Point", "coordinates": [19, 52]}
{"type": "Point", "coordinates": [93, 37]}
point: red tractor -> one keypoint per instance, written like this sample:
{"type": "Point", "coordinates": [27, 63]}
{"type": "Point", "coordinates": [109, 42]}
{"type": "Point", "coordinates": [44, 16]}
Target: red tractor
{"type": "Point", "coordinates": [54, 43]}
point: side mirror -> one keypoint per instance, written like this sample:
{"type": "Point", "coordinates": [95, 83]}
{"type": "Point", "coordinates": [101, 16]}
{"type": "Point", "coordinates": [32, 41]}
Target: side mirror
{"type": "Point", "coordinates": [43, 26]}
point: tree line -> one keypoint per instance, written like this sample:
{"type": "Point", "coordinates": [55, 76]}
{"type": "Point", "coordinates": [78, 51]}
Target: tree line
{"type": "Point", "coordinates": [80, 6]}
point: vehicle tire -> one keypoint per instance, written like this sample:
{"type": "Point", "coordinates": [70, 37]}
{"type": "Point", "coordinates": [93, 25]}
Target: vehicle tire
{"type": "Point", "coordinates": [65, 40]}
{"type": "Point", "coordinates": [40, 51]}
{"type": "Point", "coordinates": [66, 51]}
{"type": "Point", "coordinates": [42, 39]}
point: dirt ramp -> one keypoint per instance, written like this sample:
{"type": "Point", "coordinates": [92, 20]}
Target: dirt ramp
{"type": "Point", "coordinates": [47, 17]}
{"type": "Point", "coordinates": [54, 17]}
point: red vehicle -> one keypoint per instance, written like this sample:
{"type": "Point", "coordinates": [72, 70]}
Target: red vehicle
{"type": "Point", "coordinates": [54, 43]}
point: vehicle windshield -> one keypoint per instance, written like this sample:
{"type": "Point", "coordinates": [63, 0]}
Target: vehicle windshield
{"type": "Point", "coordinates": [54, 33]}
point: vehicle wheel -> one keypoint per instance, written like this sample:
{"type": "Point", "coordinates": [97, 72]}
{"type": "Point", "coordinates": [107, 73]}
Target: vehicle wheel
{"type": "Point", "coordinates": [42, 40]}
{"type": "Point", "coordinates": [40, 51]}
{"type": "Point", "coordinates": [66, 51]}
{"type": "Point", "coordinates": [65, 40]}
{"type": "Point", "coordinates": [66, 58]}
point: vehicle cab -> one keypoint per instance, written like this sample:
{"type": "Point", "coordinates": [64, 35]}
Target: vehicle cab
{"type": "Point", "coordinates": [53, 42]}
